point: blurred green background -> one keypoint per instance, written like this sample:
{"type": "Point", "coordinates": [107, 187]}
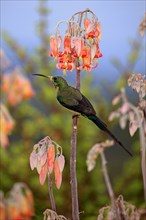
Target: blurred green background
{"type": "Point", "coordinates": [43, 116]}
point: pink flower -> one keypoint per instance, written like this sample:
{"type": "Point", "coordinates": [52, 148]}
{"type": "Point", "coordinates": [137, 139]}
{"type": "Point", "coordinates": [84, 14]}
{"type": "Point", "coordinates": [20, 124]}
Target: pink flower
{"type": "Point", "coordinates": [51, 157]}
{"type": "Point", "coordinates": [43, 174]}
{"type": "Point", "coordinates": [53, 46]}
{"type": "Point", "coordinates": [58, 174]}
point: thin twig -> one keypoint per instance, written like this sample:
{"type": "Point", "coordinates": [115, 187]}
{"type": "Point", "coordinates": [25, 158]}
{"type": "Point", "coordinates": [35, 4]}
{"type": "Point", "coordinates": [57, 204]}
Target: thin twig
{"type": "Point", "coordinates": [51, 193]}
{"type": "Point", "coordinates": [109, 186]}
{"type": "Point", "coordinates": [74, 190]}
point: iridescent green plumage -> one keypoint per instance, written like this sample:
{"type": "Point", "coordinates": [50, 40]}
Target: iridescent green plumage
{"type": "Point", "coordinates": [72, 99]}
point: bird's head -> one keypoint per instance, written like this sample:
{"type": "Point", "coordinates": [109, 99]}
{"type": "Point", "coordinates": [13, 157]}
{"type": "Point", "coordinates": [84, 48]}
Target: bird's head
{"type": "Point", "coordinates": [58, 81]}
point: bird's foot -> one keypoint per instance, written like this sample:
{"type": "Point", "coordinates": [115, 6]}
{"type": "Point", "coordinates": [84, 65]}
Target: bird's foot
{"type": "Point", "coordinates": [76, 115]}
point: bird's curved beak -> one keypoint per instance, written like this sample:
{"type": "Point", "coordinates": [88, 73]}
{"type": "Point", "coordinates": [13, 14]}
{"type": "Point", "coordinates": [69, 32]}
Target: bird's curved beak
{"type": "Point", "coordinates": [50, 77]}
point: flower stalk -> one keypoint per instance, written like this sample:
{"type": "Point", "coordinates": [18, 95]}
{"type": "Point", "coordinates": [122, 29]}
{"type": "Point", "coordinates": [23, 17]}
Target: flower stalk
{"type": "Point", "coordinates": [52, 200]}
{"type": "Point", "coordinates": [109, 186]}
{"type": "Point", "coordinates": [74, 189]}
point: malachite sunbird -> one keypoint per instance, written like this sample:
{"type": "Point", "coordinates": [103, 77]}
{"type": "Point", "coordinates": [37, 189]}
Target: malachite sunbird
{"type": "Point", "coordinates": [72, 99]}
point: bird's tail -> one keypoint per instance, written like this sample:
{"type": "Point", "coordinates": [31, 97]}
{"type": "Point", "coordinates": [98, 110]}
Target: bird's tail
{"type": "Point", "coordinates": [103, 127]}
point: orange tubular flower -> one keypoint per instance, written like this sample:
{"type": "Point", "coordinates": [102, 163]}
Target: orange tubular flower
{"type": "Point", "coordinates": [53, 46]}
{"type": "Point", "coordinates": [87, 59]}
{"type": "Point", "coordinates": [98, 53]}
{"type": "Point", "coordinates": [79, 45]}
{"type": "Point", "coordinates": [98, 31]}
{"type": "Point", "coordinates": [58, 174]}
{"type": "Point", "coordinates": [67, 44]}
{"type": "Point", "coordinates": [87, 22]}
{"type": "Point", "coordinates": [51, 157]}
{"type": "Point", "coordinates": [43, 174]}
{"type": "Point", "coordinates": [85, 52]}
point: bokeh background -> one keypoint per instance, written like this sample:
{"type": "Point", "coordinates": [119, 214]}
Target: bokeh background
{"type": "Point", "coordinates": [26, 27]}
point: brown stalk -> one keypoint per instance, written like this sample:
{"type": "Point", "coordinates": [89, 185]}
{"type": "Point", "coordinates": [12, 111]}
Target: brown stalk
{"type": "Point", "coordinates": [52, 200]}
{"type": "Point", "coordinates": [74, 190]}
{"type": "Point", "coordinates": [109, 186]}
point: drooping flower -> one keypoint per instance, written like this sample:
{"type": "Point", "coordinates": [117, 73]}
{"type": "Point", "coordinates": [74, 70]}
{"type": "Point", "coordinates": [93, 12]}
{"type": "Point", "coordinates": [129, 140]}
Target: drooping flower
{"type": "Point", "coordinates": [67, 44]}
{"type": "Point", "coordinates": [44, 160]}
{"type": "Point", "coordinates": [6, 125]}
{"type": "Point", "coordinates": [58, 173]}
{"type": "Point", "coordinates": [20, 203]}
{"type": "Point", "coordinates": [51, 157]}
{"type": "Point", "coordinates": [95, 151]}
{"type": "Point", "coordinates": [80, 35]}
{"type": "Point", "coordinates": [16, 87]}
{"type": "Point", "coordinates": [55, 43]}
{"type": "Point", "coordinates": [87, 22]}
{"type": "Point", "coordinates": [43, 173]}
{"type": "Point", "coordinates": [61, 162]}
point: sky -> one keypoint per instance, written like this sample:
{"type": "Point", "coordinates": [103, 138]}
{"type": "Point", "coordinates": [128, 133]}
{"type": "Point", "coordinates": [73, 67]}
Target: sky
{"type": "Point", "coordinates": [119, 21]}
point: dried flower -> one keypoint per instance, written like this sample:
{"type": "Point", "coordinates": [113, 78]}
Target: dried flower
{"type": "Point", "coordinates": [95, 151]}
{"type": "Point", "coordinates": [124, 209]}
{"type": "Point", "coordinates": [127, 111]}
{"type": "Point", "coordinates": [52, 215]}
{"type": "Point", "coordinates": [44, 160]}
{"type": "Point", "coordinates": [138, 83]}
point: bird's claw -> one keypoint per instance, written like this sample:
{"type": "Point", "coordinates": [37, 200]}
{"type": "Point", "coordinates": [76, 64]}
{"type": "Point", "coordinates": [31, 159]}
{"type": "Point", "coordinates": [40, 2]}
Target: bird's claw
{"type": "Point", "coordinates": [76, 115]}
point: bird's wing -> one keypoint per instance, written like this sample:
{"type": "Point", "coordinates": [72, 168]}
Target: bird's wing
{"type": "Point", "coordinates": [69, 96]}
{"type": "Point", "coordinates": [86, 107]}
{"type": "Point", "coordinates": [74, 100]}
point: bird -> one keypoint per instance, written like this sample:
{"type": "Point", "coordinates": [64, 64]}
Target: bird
{"type": "Point", "coordinates": [72, 99]}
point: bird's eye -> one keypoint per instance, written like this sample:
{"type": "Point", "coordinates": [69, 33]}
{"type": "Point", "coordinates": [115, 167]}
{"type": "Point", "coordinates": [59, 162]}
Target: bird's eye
{"type": "Point", "coordinates": [55, 78]}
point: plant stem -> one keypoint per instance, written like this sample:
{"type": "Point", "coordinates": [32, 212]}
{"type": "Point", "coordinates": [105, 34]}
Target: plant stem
{"type": "Point", "coordinates": [74, 190]}
{"type": "Point", "coordinates": [143, 156]}
{"type": "Point", "coordinates": [109, 186]}
{"type": "Point", "coordinates": [142, 139]}
{"type": "Point", "coordinates": [51, 193]}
